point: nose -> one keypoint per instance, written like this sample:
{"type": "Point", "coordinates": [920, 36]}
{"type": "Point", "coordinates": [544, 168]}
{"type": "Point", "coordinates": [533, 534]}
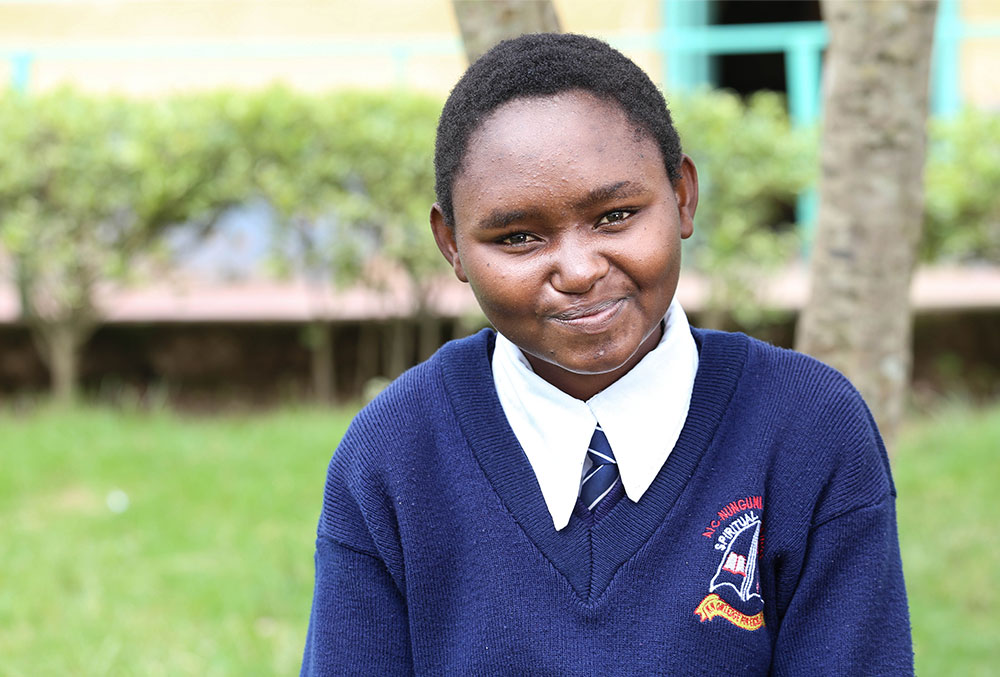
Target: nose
{"type": "Point", "coordinates": [577, 266]}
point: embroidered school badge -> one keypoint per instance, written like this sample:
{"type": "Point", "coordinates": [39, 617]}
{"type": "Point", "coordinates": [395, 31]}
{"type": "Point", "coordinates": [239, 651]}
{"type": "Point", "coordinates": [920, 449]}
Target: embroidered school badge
{"type": "Point", "coordinates": [734, 591]}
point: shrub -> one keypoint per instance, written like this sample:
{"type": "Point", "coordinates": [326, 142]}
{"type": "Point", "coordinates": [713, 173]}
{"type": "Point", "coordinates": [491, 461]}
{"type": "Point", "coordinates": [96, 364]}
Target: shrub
{"type": "Point", "coordinates": [751, 164]}
{"type": "Point", "coordinates": [962, 219]}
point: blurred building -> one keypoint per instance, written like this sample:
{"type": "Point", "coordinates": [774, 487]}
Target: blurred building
{"type": "Point", "coordinates": [154, 46]}
{"type": "Point", "coordinates": [202, 337]}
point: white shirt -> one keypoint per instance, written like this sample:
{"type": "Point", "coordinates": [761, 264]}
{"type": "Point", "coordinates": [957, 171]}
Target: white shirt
{"type": "Point", "coordinates": [641, 413]}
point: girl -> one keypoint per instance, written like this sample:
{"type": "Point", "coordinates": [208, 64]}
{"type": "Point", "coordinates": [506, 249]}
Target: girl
{"type": "Point", "coordinates": [594, 487]}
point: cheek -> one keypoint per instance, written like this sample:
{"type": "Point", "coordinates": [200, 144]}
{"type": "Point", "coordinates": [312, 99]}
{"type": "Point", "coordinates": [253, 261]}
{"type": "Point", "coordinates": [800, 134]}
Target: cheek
{"type": "Point", "coordinates": [652, 259]}
{"type": "Point", "coordinates": [498, 288]}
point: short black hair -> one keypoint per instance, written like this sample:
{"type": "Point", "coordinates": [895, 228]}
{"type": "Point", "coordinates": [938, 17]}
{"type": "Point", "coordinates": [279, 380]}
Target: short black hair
{"type": "Point", "coordinates": [543, 64]}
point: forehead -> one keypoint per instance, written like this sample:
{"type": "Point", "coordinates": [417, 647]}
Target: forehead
{"type": "Point", "coordinates": [536, 122]}
{"type": "Point", "coordinates": [541, 146]}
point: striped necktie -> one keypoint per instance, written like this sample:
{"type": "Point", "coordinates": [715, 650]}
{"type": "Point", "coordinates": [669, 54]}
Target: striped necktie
{"type": "Point", "coordinates": [603, 474]}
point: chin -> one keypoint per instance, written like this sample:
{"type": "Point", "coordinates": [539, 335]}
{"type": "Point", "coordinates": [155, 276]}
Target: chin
{"type": "Point", "coordinates": [598, 364]}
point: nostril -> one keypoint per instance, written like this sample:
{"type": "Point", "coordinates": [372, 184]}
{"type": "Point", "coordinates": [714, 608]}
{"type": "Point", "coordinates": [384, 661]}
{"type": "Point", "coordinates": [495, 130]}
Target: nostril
{"type": "Point", "coordinates": [577, 272]}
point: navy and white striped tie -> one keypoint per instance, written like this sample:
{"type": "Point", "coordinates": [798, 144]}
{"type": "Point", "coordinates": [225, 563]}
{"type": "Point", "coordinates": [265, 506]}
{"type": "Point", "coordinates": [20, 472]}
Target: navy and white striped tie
{"type": "Point", "coordinates": [603, 474]}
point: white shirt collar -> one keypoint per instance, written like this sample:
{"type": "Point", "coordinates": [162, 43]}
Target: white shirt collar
{"type": "Point", "coordinates": [642, 414]}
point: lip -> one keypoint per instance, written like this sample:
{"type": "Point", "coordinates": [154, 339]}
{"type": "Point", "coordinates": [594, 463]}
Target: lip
{"type": "Point", "coordinates": [593, 318]}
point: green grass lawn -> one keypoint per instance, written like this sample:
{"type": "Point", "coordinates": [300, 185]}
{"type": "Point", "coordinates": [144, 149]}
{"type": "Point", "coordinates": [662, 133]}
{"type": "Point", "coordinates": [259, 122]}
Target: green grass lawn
{"type": "Point", "coordinates": [208, 570]}
{"type": "Point", "coordinates": [947, 473]}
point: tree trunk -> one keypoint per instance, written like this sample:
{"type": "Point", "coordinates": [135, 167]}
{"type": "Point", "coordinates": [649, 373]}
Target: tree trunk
{"type": "Point", "coordinates": [61, 343]}
{"type": "Point", "coordinates": [400, 347]}
{"type": "Point", "coordinates": [321, 347]}
{"type": "Point", "coordinates": [485, 23]}
{"type": "Point", "coordinates": [429, 338]}
{"type": "Point", "coordinates": [857, 318]}
{"type": "Point", "coordinates": [367, 363]}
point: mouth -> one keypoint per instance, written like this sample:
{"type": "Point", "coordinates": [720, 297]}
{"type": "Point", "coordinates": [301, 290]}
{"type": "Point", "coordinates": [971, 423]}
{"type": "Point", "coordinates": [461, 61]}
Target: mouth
{"type": "Point", "coordinates": [591, 318]}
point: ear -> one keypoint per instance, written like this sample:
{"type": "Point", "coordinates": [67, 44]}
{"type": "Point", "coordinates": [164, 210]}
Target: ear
{"type": "Point", "coordinates": [444, 236]}
{"type": "Point", "coordinates": [686, 191]}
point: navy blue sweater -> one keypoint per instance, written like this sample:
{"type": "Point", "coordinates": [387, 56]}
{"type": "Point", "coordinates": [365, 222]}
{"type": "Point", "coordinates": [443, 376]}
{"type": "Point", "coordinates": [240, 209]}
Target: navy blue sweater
{"type": "Point", "coordinates": [766, 545]}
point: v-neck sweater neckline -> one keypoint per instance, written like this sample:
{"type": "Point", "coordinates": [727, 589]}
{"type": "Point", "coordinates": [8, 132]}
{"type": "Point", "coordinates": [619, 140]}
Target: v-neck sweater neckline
{"type": "Point", "coordinates": [587, 553]}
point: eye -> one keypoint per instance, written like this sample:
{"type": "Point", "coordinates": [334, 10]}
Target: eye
{"type": "Point", "coordinates": [515, 239]}
{"type": "Point", "coordinates": [615, 216]}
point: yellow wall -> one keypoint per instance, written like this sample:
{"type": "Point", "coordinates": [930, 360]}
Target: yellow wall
{"type": "Point", "coordinates": [980, 57]}
{"type": "Point", "coordinates": [161, 44]}
{"type": "Point", "coordinates": [169, 45]}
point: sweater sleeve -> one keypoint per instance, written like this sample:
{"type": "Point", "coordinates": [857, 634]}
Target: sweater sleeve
{"type": "Point", "coordinates": [358, 624]}
{"type": "Point", "coordinates": [848, 614]}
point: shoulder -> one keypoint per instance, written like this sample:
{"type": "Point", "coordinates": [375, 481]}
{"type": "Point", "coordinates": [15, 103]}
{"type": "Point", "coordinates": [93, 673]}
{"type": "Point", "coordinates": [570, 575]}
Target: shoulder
{"type": "Point", "coordinates": [784, 379]}
{"type": "Point", "coordinates": [413, 403]}
{"type": "Point", "coordinates": [822, 432]}
{"type": "Point", "coordinates": [368, 469]}
{"type": "Point", "coordinates": [404, 415]}
{"type": "Point", "coordinates": [779, 379]}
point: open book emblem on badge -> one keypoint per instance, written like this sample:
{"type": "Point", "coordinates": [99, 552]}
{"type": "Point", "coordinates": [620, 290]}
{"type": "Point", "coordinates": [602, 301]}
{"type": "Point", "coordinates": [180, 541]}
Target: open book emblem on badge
{"type": "Point", "coordinates": [738, 568]}
{"type": "Point", "coordinates": [734, 592]}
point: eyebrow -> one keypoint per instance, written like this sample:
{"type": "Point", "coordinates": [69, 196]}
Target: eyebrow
{"type": "Point", "coordinates": [621, 189]}
{"type": "Point", "coordinates": [500, 218]}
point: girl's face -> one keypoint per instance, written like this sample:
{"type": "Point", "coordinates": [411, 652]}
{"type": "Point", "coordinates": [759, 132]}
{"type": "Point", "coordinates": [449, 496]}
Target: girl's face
{"type": "Point", "coordinates": [568, 229]}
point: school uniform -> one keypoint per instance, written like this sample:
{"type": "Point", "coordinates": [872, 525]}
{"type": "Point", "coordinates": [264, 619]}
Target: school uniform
{"type": "Point", "coordinates": [760, 538]}
{"type": "Point", "coordinates": [641, 414]}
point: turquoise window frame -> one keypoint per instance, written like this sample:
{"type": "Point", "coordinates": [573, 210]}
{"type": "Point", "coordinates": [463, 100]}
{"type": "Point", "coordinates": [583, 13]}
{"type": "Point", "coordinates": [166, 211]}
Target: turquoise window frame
{"type": "Point", "coordinates": [687, 44]}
